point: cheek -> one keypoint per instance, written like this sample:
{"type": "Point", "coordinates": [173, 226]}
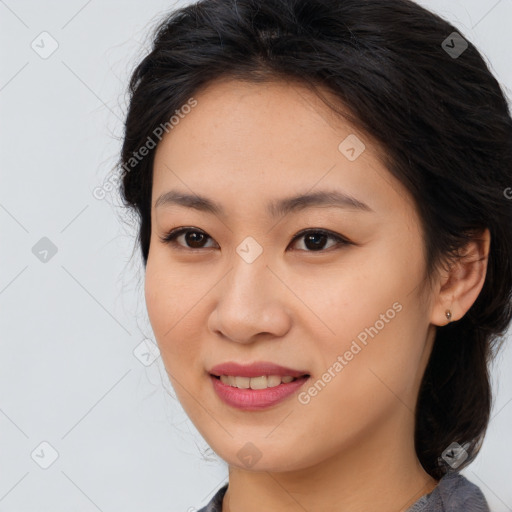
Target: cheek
{"type": "Point", "coordinates": [159, 298]}
{"type": "Point", "coordinates": [377, 325]}
{"type": "Point", "coordinates": [166, 304]}
{"type": "Point", "coordinates": [366, 388]}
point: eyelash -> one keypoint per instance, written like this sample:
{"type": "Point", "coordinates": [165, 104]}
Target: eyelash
{"type": "Point", "coordinates": [170, 238]}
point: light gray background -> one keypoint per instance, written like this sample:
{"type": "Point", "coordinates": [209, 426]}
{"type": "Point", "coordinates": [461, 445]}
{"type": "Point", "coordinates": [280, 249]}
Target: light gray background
{"type": "Point", "coordinates": [72, 364]}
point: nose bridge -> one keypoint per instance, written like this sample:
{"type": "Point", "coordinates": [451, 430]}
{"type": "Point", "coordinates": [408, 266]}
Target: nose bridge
{"type": "Point", "coordinates": [249, 268]}
{"type": "Point", "coordinates": [250, 300]}
{"type": "Point", "coordinates": [247, 284]}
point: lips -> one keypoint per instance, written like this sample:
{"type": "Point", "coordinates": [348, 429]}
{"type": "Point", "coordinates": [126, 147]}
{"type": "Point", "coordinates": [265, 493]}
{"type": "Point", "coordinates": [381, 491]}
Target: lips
{"type": "Point", "coordinates": [256, 386]}
{"type": "Point", "coordinates": [257, 369]}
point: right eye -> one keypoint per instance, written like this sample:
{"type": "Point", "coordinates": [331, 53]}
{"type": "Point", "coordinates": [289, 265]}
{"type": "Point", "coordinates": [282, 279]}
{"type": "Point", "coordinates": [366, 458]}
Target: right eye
{"type": "Point", "coordinates": [196, 240]}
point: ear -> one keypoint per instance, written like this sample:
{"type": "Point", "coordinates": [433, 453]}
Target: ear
{"type": "Point", "coordinates": [459, 286]}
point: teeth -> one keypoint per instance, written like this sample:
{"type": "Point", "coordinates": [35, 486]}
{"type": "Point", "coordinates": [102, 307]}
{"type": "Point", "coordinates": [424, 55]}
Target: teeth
{"type": "Point", "coordinates": [262, 382]}
{"type": "Point", "coordinates": [258, 382]}
{"type": "Point", "coordinates": [242, 382]}
{"type": "Point", "coordinates": [275, 380]}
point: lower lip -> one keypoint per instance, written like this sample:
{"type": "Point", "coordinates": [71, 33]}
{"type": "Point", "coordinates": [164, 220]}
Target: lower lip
{"type": "Point", "coordinates": [255, 399]}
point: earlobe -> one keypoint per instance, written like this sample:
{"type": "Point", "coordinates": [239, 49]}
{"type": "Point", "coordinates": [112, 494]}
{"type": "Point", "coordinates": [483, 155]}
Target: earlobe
{"type": "Point", "coordinates": [463, 282]}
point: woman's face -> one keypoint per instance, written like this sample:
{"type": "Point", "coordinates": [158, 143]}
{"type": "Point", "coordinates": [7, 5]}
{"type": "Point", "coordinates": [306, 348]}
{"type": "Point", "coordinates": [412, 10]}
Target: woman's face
{"type": "Point", "coordinates": [241, 287]}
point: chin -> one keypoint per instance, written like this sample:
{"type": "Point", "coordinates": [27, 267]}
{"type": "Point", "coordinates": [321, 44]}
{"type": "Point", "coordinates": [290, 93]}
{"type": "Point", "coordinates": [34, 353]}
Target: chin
{"type": "Point", "coordinates": [264, 456]}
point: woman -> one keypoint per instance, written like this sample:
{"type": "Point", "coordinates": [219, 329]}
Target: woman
{"type": "Point", "coordinates": [325, 228]}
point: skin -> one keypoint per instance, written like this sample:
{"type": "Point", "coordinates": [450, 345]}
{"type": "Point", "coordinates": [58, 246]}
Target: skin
{"type": "Point", "coordinates": [351, 447]}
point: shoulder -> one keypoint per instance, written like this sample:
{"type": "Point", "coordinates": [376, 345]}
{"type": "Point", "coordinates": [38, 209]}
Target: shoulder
{"type": "Point", "coordinates": [458, 493]}
{"type": "Point", "coordinates": [454, 493]}
{"type": "Point", "coordinates": [215, 504]}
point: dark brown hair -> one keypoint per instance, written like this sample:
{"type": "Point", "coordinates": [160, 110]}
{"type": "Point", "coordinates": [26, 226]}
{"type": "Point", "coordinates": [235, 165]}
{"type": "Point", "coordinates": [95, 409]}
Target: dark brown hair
{"type": "Point", "coordinates": [442, 120]}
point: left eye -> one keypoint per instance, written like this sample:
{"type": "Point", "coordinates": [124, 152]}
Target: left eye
{"type": "Point", "coordinates": [314, 239]}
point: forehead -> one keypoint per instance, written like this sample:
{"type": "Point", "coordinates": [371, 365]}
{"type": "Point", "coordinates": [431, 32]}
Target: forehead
{"type": "Point", "coordinates": [254, 139]}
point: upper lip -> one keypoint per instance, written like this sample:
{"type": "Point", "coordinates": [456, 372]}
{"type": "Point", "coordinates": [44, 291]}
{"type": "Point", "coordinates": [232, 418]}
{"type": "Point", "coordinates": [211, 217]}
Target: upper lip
{"type": "Point", "coordinates": [256, 369]}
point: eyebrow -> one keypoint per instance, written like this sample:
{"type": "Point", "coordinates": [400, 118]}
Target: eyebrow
{"type": "Point", "coordinates": [275, 208]}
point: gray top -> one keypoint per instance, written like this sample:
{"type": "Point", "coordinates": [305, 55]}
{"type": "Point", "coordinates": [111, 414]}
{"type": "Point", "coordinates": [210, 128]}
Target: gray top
{"type": "Point", "coordinates": [453, 493]}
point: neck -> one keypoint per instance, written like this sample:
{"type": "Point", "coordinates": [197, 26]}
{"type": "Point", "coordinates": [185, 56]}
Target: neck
{"type": "Point", "coordinates": [377, 471]}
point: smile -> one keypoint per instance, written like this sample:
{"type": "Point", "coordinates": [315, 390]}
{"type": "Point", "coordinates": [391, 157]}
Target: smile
{"type": "Point", "coordinates": [262, 382]}
{"type": "Point", "coordinates": [259, 397]}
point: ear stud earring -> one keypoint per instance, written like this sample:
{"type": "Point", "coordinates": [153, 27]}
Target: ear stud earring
{"type": "Point", "coordinates": [448, 314]}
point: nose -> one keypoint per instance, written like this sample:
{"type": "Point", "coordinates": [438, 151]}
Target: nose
{"type": "Point", "coordinates": [251, 303]}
